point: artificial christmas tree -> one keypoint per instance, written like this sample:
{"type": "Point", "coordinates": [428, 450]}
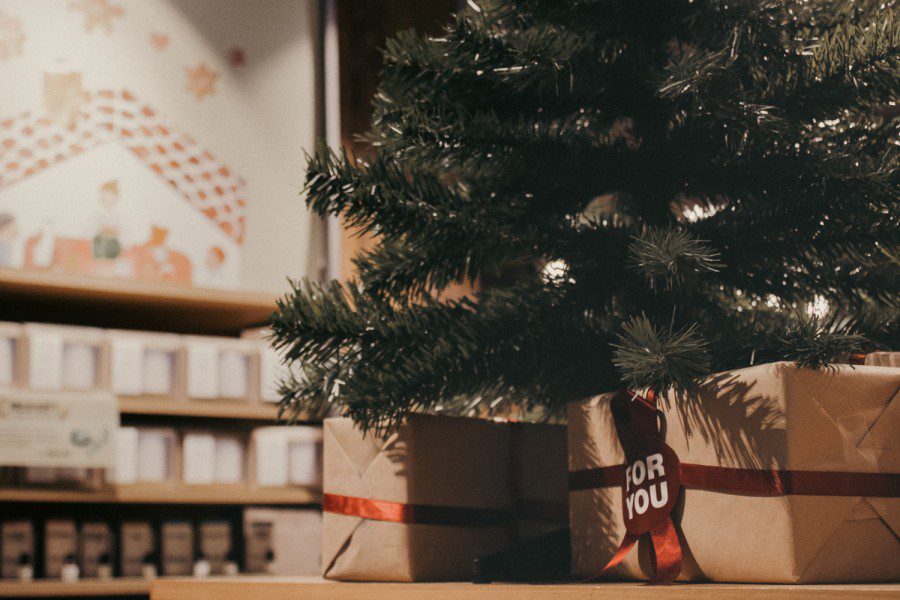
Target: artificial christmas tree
{"type": "Point", "coordinates": [649, 193]}
{"type": "Point", "coordinates": [674, 185]}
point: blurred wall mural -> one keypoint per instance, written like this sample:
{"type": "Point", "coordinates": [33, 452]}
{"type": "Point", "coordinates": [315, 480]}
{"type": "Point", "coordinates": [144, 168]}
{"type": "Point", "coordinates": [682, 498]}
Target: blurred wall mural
{"type": "Point", "coordinates": [125, 143]}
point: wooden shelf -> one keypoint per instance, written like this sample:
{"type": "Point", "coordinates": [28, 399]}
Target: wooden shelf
{"type": "Point", "coordinates": [161, 493]}
{"type": "Point", "coordinates": [50, 297]}
{"type": "Point", "coordinates": [49, 588]}
{"type": "Point", "coordinates": [310, 588]}
{"type": "Point", "coordinates": [210, 409]}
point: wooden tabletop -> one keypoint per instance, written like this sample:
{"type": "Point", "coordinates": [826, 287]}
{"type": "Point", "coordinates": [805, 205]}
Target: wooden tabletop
{"type": "Point", "coordinates": [310, 588]}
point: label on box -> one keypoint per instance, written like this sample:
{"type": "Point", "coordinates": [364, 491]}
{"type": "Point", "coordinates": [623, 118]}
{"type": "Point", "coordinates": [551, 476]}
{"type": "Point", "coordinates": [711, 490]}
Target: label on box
{"type": "Point", "coordinates": [177, 548]}
{"type": "Point", "coordinates": [16, 543]}
{"type": "Point", "coordinates": [127, 358]}
{"type": "Point", "coordinates": [215, 543]}
{"type": "Point", "coordinates": [257, 545]}
{"type": "Point", "coordinates": [95, 545]}
{"type": "Point", "coordinates": [45, 351]}
{"type": "Point", "coordinates": [135, 544]}
{"type": "Point", "coordinates": [60, 542]}
{"type": "Point", "coordinates": [202, 370]}
{"type": "Point", "coordinates": [57, 430]}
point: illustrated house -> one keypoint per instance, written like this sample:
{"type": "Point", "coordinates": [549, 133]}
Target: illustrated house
{"type": "Point", "coordinates": [76, 123]}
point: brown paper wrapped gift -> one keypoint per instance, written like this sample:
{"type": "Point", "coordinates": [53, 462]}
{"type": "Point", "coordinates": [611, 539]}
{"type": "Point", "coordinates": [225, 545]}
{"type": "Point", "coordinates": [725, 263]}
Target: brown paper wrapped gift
{"type": "Point", "coordinates": [460, 479]}
{"type": "Point", "coordinates": [773, 416]}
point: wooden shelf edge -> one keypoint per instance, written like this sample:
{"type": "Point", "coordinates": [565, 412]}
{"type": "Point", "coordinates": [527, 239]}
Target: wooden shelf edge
{"type": "Point", "coordinates": [59, 285]}
{"type": "Point", "coordinates": [213, 409]}
{"type": "Point", "coordinates": [48, 588]}
{"type": "Point", "coordinates": [309, 588]}
{"type": "Point", "coordinates": [121, 303]}
{"type": "Point", "coordinates": [147, 493]}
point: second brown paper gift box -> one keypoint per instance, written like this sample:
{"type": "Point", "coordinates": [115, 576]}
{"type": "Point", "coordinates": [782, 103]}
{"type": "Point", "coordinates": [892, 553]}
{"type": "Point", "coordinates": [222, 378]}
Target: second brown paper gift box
{"type": "Point", "coordinates": [422, 503]}
{"type": "Point", "coordinates": [770, 424]}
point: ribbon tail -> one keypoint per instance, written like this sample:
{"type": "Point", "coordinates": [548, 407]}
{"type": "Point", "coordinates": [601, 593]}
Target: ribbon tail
{"type": "Point", "coordinates": [667, 551]}
{"type": "Point", "coordinates": [625, 547]}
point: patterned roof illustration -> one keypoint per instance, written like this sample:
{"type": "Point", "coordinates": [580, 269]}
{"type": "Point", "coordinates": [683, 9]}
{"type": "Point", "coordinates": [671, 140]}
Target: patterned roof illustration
{"type": "Point", "coordinates": [31, 143]}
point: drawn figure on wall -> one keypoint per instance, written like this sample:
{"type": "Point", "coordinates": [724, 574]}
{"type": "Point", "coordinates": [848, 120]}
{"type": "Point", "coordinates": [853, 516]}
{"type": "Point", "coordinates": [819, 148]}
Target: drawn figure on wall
{"type": "Point", "coordinates": [9, 233]}
{"type": "Point", "coordinates": [214, 276]}
{"type": "Point", "coordinates": [106, 243]}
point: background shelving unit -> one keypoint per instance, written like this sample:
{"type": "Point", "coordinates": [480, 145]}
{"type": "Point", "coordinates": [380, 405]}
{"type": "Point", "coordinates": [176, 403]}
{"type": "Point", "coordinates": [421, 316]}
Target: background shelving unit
{"type": "Point", "coordinates": [46, 297]}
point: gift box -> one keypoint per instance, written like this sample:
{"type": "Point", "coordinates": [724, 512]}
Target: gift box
{"type": "Point", "coordinates": [772, 473]}
{"type": "Point", "coordinates": [883, 359]}
{"type": "Point", "coordinates": [424, 502]}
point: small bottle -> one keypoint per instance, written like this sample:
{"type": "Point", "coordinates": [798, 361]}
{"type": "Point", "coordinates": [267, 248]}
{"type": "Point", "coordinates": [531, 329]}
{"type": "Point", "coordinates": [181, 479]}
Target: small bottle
{"type": "Point", "coordinates": [201, 565]}
{"type": "Point", "coordinates": [148, 566]}
{"type": "Point", "coordinates": [230, 568]}
{"type": "Point", "coordinates": [70, 570]}
{"type": "Point", "coordinates": [104, 568]}
{"type": "Point", "coordinates": [270, 561]}
{"type": "Point", "coordinates": [25, 569]}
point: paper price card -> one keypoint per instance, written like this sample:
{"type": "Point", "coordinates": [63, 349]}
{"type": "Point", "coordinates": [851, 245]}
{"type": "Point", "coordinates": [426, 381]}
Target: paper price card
{"type": "Point", "coordinates": [57, 429]}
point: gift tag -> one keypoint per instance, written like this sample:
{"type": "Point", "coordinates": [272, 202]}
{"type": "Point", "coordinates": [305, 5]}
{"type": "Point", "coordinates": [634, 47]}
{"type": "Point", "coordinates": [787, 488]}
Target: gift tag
{"type": "Point", "coordinates": [652, 484]}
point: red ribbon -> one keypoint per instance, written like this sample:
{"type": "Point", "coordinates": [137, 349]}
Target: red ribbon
{"type": "Point", "coordinates": [429, 514]}
{"type": "Point", "coordinates": [759, 482]}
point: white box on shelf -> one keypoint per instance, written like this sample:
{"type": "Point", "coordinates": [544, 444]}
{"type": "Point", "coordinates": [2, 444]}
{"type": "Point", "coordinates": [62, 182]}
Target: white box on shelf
{"type": "Point", "coordinates": [80, 365]}
{"type": "Point", "coordinates": [272, 371]}
{"type": "Point", "coordinates": [230, 458]}
{"type": "Point", "coordinates": [238, 369]}
{"type": "Point", "coordinates": [202, 367]}
{"type": "Point", "coordinates": [126, 363]}
{"type": "Point", "coordinates": [199, 456]}
{"type": "Point", "coordinates": [305, 455]}
{"type": "Point", "coordinates": [294, 538]}
{"type": "Point", "coordinates": [145, 362]}
{"type": "Point", "coordinates": [156, 449]}
{"type": "Point", "coordinates": [45, 358]}
{"type": "Point", "coordinates": [160, 371]}
{"type": "Point", "coordinates": [126, 469]}
{"type": "Point", "coordinates": [271, 451]}
{"type": "Point", "coordinates": [63, 357]}
{"type": "Point", "coordinates": [10, 342]}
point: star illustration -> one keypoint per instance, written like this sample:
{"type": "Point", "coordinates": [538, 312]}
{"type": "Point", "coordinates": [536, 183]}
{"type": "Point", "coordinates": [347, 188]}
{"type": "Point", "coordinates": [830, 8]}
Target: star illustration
{"type": "Point", "coordinates": [159, 40]}
{"type": "Point", "coordinates": [97, 13]}
{"type": "Point", "coordinates": [202, 81]}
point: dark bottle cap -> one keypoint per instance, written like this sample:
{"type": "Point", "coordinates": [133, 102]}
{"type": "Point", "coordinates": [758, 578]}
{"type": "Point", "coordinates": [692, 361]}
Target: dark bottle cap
{"type": "Point", "coordinates": [24, 559]}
